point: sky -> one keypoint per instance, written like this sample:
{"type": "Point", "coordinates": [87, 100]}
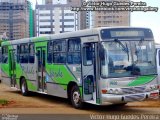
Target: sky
{"type": "Point", "coordinates": [141, 19]}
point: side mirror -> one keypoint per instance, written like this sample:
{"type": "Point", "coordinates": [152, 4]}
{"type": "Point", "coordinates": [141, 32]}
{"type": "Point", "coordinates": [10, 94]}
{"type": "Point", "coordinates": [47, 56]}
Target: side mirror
{"type": "Point", "coordinates": [102, 53]}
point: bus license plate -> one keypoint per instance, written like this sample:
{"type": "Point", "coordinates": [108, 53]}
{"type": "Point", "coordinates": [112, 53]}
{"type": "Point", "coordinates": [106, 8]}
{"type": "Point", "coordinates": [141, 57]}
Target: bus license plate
{"type": "Point", "coordinates": [154, 95]}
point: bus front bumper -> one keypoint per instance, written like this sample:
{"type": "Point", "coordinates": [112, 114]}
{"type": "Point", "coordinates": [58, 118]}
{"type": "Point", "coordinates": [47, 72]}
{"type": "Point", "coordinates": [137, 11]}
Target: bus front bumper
{"type": "Point", "coordinates": [116, 99]}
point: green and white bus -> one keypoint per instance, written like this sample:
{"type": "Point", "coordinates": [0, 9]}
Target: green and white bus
{"type": "Point", "coordinates": [99, 66]}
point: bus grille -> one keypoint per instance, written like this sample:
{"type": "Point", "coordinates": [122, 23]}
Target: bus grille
{"type": "Point", "coordinates": [134, 98]}
{"type": "Point", "coordinates": [133, 90]}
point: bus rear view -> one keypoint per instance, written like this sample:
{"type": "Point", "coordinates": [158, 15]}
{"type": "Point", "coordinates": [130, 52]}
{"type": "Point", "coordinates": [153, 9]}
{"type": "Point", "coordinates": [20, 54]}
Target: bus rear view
{"type": "Point", "coordinates": [127, 65]}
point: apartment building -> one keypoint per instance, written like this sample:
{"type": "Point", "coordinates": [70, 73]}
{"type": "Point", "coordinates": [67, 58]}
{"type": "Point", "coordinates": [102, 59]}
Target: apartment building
{"type": "Point", "coordinates": [55, 16]}
{"type": "Point", "coordinates": [16, 19]}
{"type": "Point", "coordinates": [110, 18]}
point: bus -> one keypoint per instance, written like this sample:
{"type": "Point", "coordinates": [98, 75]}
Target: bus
{"type": "Point", "coordinates": [101, 66]}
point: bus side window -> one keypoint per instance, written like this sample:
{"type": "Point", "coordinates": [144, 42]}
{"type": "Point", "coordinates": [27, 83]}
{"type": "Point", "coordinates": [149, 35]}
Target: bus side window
{"type": "Point", "coordinates": [23, 56]}
{"type": "Point", "coordinates": [50, 52]}
{"type": "Point", "coordinates": [31, 53]}
{"type": "Point", "coordinates": [59, 51]}
{"type": "Point", "coordinates": [18, 52]}
{"type": "Point", "coordinates": [5, 54]}
{"type": "Point", "coordinates": [74, 51]}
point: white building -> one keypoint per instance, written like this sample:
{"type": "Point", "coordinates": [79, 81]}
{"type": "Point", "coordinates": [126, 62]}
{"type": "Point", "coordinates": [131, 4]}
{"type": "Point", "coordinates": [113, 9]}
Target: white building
{"type": "Point", "coordinates": [55, 17]}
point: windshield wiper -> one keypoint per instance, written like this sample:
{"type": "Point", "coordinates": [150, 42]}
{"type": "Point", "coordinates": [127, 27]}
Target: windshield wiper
{"type": "Point", "coordinates": [124, 48]}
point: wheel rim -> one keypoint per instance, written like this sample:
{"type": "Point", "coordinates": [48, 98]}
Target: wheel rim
{"type": "Point", "coordinates": [23, 87]}
{"type": "Point", "coordinates": [76, 97]}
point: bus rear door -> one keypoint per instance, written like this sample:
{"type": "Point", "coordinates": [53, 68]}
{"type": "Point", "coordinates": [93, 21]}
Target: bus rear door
{"type": "Point", "coordinates": [41, 61]}
{"type": "Point", "coordinates": [12, 67]}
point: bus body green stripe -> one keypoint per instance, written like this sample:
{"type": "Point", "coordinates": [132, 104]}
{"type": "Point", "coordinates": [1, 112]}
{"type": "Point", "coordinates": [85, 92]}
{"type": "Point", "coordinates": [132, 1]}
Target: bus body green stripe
{"type": "Point", "coordinates": [142, 80]}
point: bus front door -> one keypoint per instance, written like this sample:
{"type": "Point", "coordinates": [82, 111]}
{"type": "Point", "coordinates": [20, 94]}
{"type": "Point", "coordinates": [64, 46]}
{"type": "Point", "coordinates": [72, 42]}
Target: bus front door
{"type": "Point", "coordinates": [12, 67]}
{"type": "Point", "coordinates": [89, 68]}
{"type": "Point", "coordinates": [41, 60]}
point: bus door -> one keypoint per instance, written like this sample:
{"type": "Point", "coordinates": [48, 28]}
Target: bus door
{"type": "Point", "coordinates": [89, 74]}
{"type": "Point", "coordinates": [12, 67]}
{"type": "Point", "coordinates": [41, 63]}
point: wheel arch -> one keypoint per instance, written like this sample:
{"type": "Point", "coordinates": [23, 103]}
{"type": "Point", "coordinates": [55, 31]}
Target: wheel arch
{"type": "Point", "coordinates": [20, 80]}
{"type": "Point", "coordinates": [69, 88]}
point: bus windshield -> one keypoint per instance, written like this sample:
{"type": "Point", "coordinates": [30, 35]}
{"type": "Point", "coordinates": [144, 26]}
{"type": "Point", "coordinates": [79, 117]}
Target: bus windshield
{"type": "Point", "coordinates": [128, 58]}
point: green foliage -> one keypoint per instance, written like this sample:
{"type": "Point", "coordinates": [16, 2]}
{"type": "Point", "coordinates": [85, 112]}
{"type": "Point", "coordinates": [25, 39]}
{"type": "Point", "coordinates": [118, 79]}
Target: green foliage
{"type": "Point", "coordinates": [3, 102]}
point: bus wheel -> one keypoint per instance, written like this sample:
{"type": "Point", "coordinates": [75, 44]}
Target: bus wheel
{"type": "Point", "coordinates": [76, 97]}
{"type": "Point", "coordinates": [24, 88]}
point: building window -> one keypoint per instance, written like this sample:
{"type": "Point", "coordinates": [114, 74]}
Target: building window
{"type": "Point", "coordinates": [45, 32]}
{"type": "Point", "coordinates": [67, 20]}
{"type": "Point", "coordinates": [68, 14]}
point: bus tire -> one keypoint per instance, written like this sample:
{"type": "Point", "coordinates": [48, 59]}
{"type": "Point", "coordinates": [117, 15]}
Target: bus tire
{"type": "Point", "coordinates": [76, 97]}
{"type": "Point", "coordinates": [24, 88]}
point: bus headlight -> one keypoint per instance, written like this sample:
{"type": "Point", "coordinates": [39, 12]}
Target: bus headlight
{"type": "Point", "coordinates": [154, 87]}
{"type": "Point", "coordinates": [111, 91]}
{"type": "Point", "coordinates": [116, 91]}
{"type": "Point", "coordinates": [151, 87]}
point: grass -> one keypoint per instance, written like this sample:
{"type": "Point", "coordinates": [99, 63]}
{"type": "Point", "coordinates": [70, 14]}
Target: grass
{"type": "Point", "coordinates": [3, 102]}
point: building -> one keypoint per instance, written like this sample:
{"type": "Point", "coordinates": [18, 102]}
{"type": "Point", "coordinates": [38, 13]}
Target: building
{"type": "Point", "coordinates": [110, 18]}
{"type": "Point", "coordinates": [55, 16]}
{"type": "Point", "coordinates": [16, 19]}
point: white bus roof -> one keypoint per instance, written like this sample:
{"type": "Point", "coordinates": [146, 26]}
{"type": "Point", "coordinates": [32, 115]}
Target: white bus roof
{"type": "Point", "coordinates": [86, 32]}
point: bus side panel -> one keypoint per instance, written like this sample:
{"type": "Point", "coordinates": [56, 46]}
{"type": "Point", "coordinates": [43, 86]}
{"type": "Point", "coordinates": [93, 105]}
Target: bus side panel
{"type": "Point", "coordinates": [58, 78]}
{"type": "Point", "coordinates": [27, 71]}
{"type": "Point", "coordinates": [5, 74]}
{"type": "Point", "coordinates": [5, 69]}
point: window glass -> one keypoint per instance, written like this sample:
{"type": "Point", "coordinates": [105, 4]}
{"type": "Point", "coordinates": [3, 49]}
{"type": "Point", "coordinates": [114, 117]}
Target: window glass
{"type": "Point", "coordinates": [5, 54]}
{"type": "Point", "coordinates": [50, 52]}
{"type": "Point", "coordinates": [18, 52]}
{"type": "Point", "coordinates": [59, 46]}
{"type": "Point", "coordinates": [74, 58]}
{"type": "Point", "coordinates": [31, 53]}
{"type": "Point", "coordinates": [59, 57]}
{"type": "Point", "coordinates": [23, 56]}
{"type": "Point", "coordinates": [59, 51]}
{"type": "Point", "coordinates": [74, 47]}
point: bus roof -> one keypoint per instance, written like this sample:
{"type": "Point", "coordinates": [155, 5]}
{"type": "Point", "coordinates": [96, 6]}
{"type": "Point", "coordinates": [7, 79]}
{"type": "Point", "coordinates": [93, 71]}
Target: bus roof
{"type": "Point", "coordinates": [80, 33]}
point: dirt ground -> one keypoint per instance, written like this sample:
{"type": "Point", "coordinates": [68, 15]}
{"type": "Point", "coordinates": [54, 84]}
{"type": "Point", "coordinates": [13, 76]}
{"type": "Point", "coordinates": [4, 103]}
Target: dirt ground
{"type": "Point", "coordinates": [17, 102]}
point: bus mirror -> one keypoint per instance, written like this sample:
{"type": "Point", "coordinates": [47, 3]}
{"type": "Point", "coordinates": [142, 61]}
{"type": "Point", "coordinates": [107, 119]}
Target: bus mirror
{"type": "Point", "coordinates": [102, 53]}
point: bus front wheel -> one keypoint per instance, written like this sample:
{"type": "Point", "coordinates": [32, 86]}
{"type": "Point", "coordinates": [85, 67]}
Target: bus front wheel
{"type": "Point", "coordinates": [24, 88]}
{"type": "Point", "coordinates": [76, 97]}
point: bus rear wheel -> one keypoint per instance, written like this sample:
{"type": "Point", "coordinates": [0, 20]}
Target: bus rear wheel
{"type": "Point", "coordinates": [76, 98]}
{"type": "Point", "coordinates": [24, 88]}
